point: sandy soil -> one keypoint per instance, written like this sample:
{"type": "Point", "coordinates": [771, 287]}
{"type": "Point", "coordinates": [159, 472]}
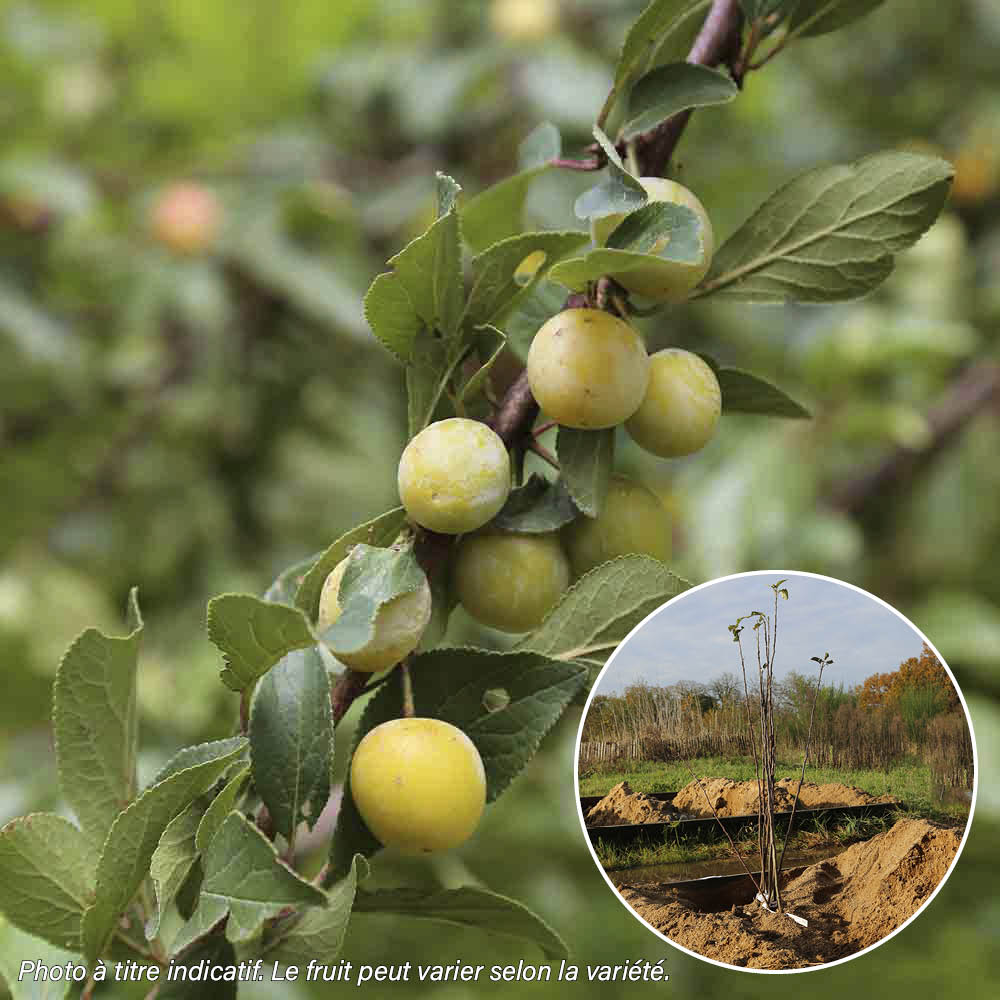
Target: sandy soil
{"type": "Point", "coordinates": [622, 805]}
{"type": "Point", "coordinates": [851, 901]}
{"type": "Point", "coordinates": [739, 798]}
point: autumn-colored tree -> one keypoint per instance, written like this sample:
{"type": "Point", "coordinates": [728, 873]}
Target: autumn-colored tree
{"type": "Point", "coordinates": [925, 670]}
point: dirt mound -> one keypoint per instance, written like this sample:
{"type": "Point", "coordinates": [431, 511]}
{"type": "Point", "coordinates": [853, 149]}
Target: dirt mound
{"type": "Point", "coordinates": [739, 798]}
{"type": "Point", "coordinates": [851, 901]}
{"type": "Point", "coordinates": [622, 805]}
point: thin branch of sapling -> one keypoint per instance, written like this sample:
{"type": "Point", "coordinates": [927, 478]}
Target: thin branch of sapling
{"type": "Point", "coordinates": [825, 661]}
{"type": "Point", "coordinates": [722, 826]}
{"type": "Point", "coordinates": [736, 630]}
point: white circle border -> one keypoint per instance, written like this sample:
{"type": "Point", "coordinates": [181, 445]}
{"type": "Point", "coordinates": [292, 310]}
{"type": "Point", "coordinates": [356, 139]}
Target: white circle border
{"type": "Point", "coordinates": [790, 573]}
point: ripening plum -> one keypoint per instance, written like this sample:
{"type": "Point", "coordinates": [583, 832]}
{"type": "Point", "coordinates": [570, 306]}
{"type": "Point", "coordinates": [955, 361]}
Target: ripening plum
{"type": "Point", "coordinates": [510, 581]}
{"type": "Point", "coordinates": [419, 784]}
{"type": "Point", "coordinates": [588, 369]}
{"type": "Point", "coordinates": [454, 476]}
{"type": "Point", "coordinates": [682, 406]}
{"type": "Point", "coordinates": [399, 624]}
{"type": "Point", "coordinates": [524, 21]}
{"type": "Point", "coordinates": [663, 280]}
{"type": "Point", "coordinates": [186, 218]}
{"type": "Point", "coordinates": [632, 521]}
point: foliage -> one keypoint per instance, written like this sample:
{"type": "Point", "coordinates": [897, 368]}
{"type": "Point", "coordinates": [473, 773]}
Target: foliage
{"type": "Point", "coordinates": [194, 424]}
{"type": "Point", "coordinates": [918, 672]}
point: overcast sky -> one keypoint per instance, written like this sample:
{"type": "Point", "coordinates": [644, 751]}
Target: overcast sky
{"type": "Point", "coordinates": [690, 641]}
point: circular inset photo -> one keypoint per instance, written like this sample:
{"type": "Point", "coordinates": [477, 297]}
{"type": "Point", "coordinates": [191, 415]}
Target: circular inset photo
{"type": "Point", "coordinates": [776, 771]}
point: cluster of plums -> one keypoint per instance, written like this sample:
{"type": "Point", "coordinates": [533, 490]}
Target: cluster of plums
{"type": "Point", "coordinates": [419, 783]}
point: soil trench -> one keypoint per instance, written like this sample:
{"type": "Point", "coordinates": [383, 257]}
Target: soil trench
{"type": "Point", "coordinates": [729, 798]}
{"type": "Point", "coordinates": [621, 805]}
{"type": "Point", "coordinates": [851, 901]}
{"type": "Point", "coordinates": [739, 798]}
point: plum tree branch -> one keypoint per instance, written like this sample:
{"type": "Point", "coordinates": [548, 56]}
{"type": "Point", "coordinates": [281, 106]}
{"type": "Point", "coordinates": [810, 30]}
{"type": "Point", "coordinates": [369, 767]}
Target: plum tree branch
{"type": "Point", "coordinates": [976, 390]}
{"type": "Point", "coordinates": [720, 33]}
{"type": "Point", "coordinates": [513, 418]}
{"type": "Point", "coordinates": [717, 42]}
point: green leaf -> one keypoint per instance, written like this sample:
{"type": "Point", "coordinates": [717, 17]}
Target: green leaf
{"type": "Point", "coordinates": [318, 933]}
{"type": "Point", "coordinates": [291, 740]}
{"type": "Point", "coordinates": [427, 376]}
{"type": "Point", "coordinates": [16, 947]}
{"type": "Point", "coordinates": [430, 270]}
{"type": "Point", "coordinates": [172, 861]}
{"type": "Point", "coordinates": [577, 272]}
{"type": "Point", "coordinates": [391, 316]}
{"type": "Point", "coordinates": [134, 836]}
{"type": "Point", "coordinates": [351, 836]}
{"type": "Point", "coordinates": [448, 191]}
{"type": "Point", "coordinates": [206, 920]}
{"type": "Point", "coordinates": [541, 145]}
{"type": "Point", "coordinates": [495, 289]}
{"type": "Point", "coordinates": [819, 17]}
{"type": "Point", "coordinates": [96, 726]}
{"type": "Point", "coordinates": [452, 684]}
{"type": "Point", "coordinates": [758, 10]}
{"type": "Point", "coordinates": [619, 192]}
{"type": "Point", "coordinates": [443, 603]}
{"type": "Point", "coordinates": [676, 87]}
{"type": "Point", "coordinates": [498, 212]}
{"type": "Point", "coordinates": [47, 872]}
{"type": "Point", "coordinates": [284, 588]}
{"type": "Point", "coordinates": [586, 458]}
{"type": "Point", "coordinates": [668, 231]}
{"type": "Point", "coordinates": [373, 577]}
{"type": "Point", "coordinates": [214, 951]}
{"type": "Point", "coordinates": [744, 392]}
{"type": "Point", "coordinates": [380, 531]}
{"type": "Point", "coordinates": [490, 343]}
{"type": "Point", "coordinates": [200, 753]}
{"type": "Point", "coordinates": [468, 906]}
{"type": "Point", "coordinates": [253, 635]}
{"type": "Point", "coordinates": [831, 233]}
{"type": "Point", "coordinates": [539, 304]}
{"type": "Point", "coordinates": [602, 607]}
{"type": "Point", "coordinates": [245, 877]}
{"type": "Point", "coordinates": [537, 507]}
{"type": "Point", "coordinates": [222, 805]}
{"type": "Point", "coordinates": [647, 36]}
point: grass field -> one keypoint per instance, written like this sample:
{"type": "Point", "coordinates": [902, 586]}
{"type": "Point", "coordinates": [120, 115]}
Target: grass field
{"type": "Point", "coordinates": [910, 782]}
{"type": "Point", "coordinates": [676, 849]}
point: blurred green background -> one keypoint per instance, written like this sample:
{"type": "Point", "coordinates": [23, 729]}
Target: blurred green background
{"type": "Point", "coordinates": [192, 423]}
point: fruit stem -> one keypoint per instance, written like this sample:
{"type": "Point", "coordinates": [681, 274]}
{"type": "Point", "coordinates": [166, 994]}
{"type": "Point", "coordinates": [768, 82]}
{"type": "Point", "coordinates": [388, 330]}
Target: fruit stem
{"type": "Point", "coordinates": [542, 452]}
{"type": "Point", "coordinates": [409, 711]}
{"type": "Point", "coordinates": [594, 163]}
{"type": "Point", "coordinates": [350, 684]}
